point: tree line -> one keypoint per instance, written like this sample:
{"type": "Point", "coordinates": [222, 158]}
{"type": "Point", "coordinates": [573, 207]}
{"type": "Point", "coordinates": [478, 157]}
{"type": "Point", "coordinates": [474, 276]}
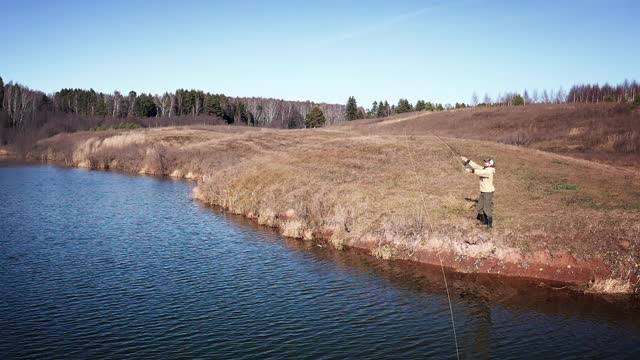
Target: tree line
{"type": "Point", "coordinates": [27, 111]}
{"type": "Point", "coordinates": [34, 114]}
{"type": "Point", "coordinates": [380, 109]}
{"type": "Point", "coordinates": [625, 92]}
{"type": "Point", "coordinates": [23, 109]}
{"type": "Point", "coordinates": [594, 93]}
{"type": "Point", "coordinates": [265, 112]}
{"type": "Point", "coordinates": [511, 98]}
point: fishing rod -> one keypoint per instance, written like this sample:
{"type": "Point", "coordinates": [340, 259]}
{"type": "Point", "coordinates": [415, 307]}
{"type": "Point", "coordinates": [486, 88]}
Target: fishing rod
{"type": "Point", "coordinates": [453, 152]}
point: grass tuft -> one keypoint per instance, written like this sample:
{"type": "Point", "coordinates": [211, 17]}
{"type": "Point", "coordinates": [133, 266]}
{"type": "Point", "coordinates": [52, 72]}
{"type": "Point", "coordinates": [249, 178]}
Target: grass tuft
{"type": "Point", "coordinates": [384, 252]}
{"type": "Point", "coordinates": [610, 286]}
{"type": "Point", "coordinates": [566, 187]}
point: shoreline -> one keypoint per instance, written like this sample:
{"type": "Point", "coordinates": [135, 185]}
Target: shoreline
{"type": "Point", "coordinates": [253, 192]}
{"type": "Point", "coordinates": [563, 273]}
{"type": "Point", "coordinates": [563, 270]}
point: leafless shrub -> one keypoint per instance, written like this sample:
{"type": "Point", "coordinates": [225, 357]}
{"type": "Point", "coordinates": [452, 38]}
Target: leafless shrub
{"type": "Point", "coordinates": [628, 142]}
{"type": "Point", "coordinates": [520, 138]}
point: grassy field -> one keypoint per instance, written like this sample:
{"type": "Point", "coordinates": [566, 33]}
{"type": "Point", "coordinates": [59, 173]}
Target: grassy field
{"type": "Point", "coordinates": [395, 189]}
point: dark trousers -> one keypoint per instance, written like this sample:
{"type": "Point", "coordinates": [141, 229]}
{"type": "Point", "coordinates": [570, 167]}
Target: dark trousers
{"type": "Point", "coordinates": [485, 204]}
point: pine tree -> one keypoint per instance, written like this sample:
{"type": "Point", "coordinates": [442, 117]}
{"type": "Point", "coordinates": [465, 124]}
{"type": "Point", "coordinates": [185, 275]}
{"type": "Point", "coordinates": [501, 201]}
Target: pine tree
{"type": "Point", "coordinates": [374, 110]}
{"type": "Point", "coordinates": [420, 105]}
{"type": "Point", "coordinates": [314, 118]}
{"type": "Point", "coordinates": [144, 106]}
{"type": "Point", "coordinates": [517, 100]}
{"type": "Point", "coordinates": [101, 107]}
{"type": "Point", "coordinates": [429, 106]}
{"type": "Point", "coordinates": [240, 114]}
{"type": "Point", "coordinates": [404, 106]}
{"type": "Point", "coordinates": [381, 110]}
{"type": "Point", "coordinates": [352, 109]}
{"type": "Point", "coordinates": [132, 103]}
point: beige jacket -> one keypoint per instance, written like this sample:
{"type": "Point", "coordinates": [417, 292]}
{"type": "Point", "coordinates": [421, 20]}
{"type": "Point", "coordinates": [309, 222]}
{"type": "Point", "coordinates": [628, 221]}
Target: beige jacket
{"type": "Point", "coordinates": [486, 176]}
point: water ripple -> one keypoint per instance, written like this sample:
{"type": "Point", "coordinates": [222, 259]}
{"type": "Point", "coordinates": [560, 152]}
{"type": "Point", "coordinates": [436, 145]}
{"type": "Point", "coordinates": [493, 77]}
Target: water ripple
{"type": "Point", "coordinates": [99, 265]}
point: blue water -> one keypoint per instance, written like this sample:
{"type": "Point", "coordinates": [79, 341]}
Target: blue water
{"type": "Point", "coordinates": [98, 265]}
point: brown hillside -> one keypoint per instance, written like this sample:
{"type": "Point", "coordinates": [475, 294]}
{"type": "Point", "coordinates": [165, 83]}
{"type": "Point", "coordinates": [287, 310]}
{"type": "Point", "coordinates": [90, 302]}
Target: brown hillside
{"type": "Point", "coordinates": [606, 133]}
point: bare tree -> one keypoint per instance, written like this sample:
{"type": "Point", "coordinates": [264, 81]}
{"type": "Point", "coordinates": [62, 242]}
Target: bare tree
{"type": "Point", "coordinates": [116, 103]}
{"type": "Point", "coordinates": [474, 99]}
{"type": "Point", "coordinates": [196, 106]}
{"type": "Point", "coordinates": [487, 100]}
{"type": "Point", "coordinates": [594, 93]}
{"type": "Point", "coordinates": [162, 103]}
{"type": "Point", "coordinates": [552, 97]}
{"type": "Point", "coordinates": [172, 104]}
{"type": "Point", "coordinates": [626, 89]}
{"type": "Point", "coordinates": [561, 97]}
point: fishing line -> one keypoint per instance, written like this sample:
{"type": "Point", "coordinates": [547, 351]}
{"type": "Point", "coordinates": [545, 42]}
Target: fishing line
{"type": "Point", "coordinates": [415, 171]}
{"type": "Point", "coordinates": [453, 324]}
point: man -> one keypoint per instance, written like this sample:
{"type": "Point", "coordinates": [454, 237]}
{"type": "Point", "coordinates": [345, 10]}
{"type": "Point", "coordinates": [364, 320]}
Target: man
{"type": "Point", "coordinates": [485, 202]}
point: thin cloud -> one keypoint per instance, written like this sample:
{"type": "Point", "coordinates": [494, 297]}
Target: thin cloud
{"type": "Point", "coordinates": [377, 27]}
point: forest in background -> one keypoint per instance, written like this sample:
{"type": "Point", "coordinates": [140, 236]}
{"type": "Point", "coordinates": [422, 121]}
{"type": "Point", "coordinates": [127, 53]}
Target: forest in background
{"type": "Point", "coordinates": [625, 92]}
{"type": "Point", "coordinates": [28, 115]}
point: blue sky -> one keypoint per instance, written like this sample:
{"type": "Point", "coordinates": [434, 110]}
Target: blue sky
{"type": "Point", "coordinates": [322, 51]}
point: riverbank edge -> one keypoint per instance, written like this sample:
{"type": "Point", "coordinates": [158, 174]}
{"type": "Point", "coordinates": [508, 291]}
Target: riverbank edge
{"type": "Point", "coordinates": [591, 276]}
{"type": "Point", "coordinates": [558, 271]}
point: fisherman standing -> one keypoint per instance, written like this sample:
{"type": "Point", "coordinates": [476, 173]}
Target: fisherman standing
{"type": "Point", "coordinates": [485, 202]}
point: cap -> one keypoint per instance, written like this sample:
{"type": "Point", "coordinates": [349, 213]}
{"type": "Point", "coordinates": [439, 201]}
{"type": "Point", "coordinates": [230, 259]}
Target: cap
{"type": "Point", "coordinates": [490, 161]}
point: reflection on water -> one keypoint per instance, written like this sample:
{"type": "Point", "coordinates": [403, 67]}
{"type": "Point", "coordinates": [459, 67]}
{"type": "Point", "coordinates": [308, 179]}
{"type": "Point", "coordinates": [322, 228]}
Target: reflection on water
{"type": "Point", "coordinates": [516, 294]}
{"type": "Point", "coordinates": [103, 265]}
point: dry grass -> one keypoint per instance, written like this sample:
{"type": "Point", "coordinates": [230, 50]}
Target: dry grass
{"type": "Point", "coordinates": [610, 286]}
{"type": "Point", "coordinates": [607, 133]}
{"type": "Point", "coordinates": [369, 186]}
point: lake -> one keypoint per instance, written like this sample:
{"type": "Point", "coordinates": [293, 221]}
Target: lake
{"type": "Point", "coordinates": [100, 265]}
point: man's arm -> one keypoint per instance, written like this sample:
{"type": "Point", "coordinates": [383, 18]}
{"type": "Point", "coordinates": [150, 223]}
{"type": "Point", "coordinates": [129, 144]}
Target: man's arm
{"type": "Point", "coordinates": [473, 165]}
{"type": "Point", "coordinates": [482, 172]}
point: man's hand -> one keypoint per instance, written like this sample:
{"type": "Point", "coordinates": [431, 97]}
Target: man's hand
{"type": "Point", "coordinates": [464, 158]}
{"type": "Point", "coordinates": [468, 170]}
